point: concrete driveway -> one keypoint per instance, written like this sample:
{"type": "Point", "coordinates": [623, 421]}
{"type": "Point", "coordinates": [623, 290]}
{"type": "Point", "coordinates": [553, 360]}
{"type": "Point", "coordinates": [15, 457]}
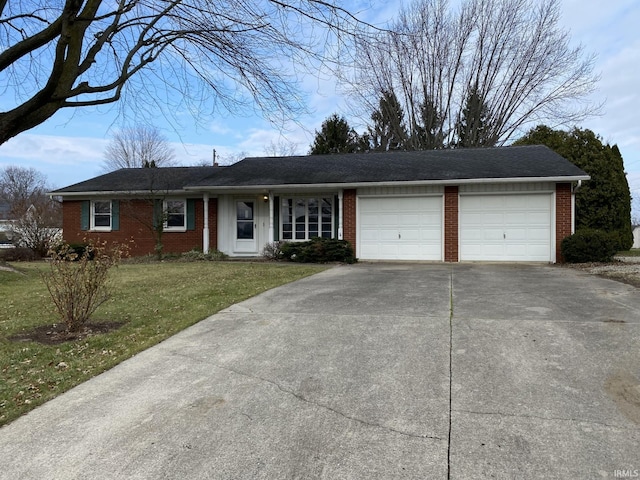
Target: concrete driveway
{"type": "Point", "coordinates": [372, 371]}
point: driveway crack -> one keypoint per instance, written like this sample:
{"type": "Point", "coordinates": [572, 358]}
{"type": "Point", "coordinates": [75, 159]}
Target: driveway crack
{"type": "Point", "coordinates": [328, 407]}
{"type": "Point", "coordinates": [540, 417]}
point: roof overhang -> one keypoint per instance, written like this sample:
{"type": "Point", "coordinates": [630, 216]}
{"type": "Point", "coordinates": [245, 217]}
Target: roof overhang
{"type": "Point", "coordinates": [333, 186]}
{"type": "Point", "coordinates": [312, 186]}
{"type": "Point", "coordinates": [120, 193]}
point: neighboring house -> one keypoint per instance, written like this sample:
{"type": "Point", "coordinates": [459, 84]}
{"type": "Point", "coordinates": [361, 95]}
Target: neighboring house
{"type": "Point", "coordinates": [636, 236]}
{"type": "Point", "coordinates": [6, 222]}
{"type": "Point", "coordinates": [489, 204]}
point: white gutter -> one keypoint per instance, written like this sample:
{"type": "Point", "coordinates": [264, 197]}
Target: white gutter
{"type": "Point", "coordinates": [320, 186]}
{"type": "Point", "coordinates": [326, 186]}
{"type": "Point", "coordinates": [119, 193]}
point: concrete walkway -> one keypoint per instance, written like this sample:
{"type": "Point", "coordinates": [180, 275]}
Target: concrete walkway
{"type": "Point", "coordinates": [371, 371]}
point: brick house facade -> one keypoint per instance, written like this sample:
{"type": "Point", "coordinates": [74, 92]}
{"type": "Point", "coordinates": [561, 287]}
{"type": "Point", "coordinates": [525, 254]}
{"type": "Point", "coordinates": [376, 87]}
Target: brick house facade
{"type": "Point", "coordinates": [503, 204]}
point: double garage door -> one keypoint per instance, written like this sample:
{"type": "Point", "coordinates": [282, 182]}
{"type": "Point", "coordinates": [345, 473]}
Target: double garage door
{"type": "Point", "coordinates": [514, 227]}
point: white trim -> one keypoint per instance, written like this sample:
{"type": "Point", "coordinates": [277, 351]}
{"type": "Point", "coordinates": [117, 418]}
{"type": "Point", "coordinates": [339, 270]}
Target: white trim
{"type": "Point", "coordinates": [271, 218]}
{"type": "Point", "coordinates": [92, 218]}
{"type": "Point", "coordinates": [120, 193]}
{"type": "Point", "coordinates": [453, 181]}
{"type": "Point", "coordinates": [340, 214]}
{"type": "Point", "coordinates": [165, 212]}
{"type": "Point", "coordinates": [319, 198]}
{"type": "Point", "coordinates": [205, 228]}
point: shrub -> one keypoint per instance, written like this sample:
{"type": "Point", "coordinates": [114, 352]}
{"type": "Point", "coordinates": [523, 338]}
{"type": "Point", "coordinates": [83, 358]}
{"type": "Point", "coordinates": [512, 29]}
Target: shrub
{"type": "Point", "coordinates": [18, 254]}
{"type": "Point", "coordinates": [318, 250]}
{"type": "Point", "coordinates": [273, 251]}
{"type": "Point", "coordinates": [78, 283]}
{"type": "Point", "coordinates": [73, 251]}
{"type": "Point", "coordinates": [198, 255]}
{"type": "Point", "coordinates": [589, 245]}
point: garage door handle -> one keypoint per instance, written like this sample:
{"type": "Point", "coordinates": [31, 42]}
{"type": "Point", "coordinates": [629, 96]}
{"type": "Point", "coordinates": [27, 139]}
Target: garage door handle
{"type": "Point", "coordinates": [399, 237]}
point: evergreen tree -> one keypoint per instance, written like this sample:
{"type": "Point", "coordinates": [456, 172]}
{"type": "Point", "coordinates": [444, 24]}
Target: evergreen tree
{"type": "Point", "coordinates": [604, 202]}
{"type": "Point", "coordinates": [472, 129]}
{"type": "Point", "coordinates": [429, 135]}
{"type": "Point", "coordinates": [388, 131]}
{"type": "Point", "coordinates": [335, 136]}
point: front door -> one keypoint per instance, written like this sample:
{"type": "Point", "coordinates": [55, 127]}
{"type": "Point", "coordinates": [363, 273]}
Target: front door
{"type": "Point", "coordinates": [245, 227]}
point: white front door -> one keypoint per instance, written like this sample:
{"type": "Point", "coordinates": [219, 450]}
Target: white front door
{"type": "Point", "coordinates": [400, 228]}
{"type": "Point", "coordinates": [245, 227]}
{"type": "Point", "coordinates": [511, 227]}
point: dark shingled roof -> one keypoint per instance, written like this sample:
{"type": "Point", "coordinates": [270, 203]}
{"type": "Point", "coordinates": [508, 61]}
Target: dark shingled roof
{"type": "Point", "coordinates": [430, 165]}
{"type": "Point", "coordinates": [142, 180]}
{"type": "Point", "coordinates": [453, 165]}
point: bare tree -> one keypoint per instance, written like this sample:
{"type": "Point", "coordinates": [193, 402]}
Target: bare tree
{"type": "Point", "coordinates": [136, 147]}
{"type": "Point", "coordinates": [36, 218]}
{"type": "Point", "coordinates": [281, 148]}
{"type": "Point", "coordinates": [511, 54]}
{"type": "Point", "coordinates": [171, 54]}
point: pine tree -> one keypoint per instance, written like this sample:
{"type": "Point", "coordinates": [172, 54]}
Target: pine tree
{"type": "Point", "coordinates": [429, 135]}
{"type": "Point", "coordinates": [472, 129]}
{"type": "Point", "coordinates": [335, 136]}
{"type": "Point", "coordinates": [388, 131]}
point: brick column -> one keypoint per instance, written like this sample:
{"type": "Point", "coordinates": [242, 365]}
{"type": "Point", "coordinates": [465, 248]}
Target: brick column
{"type": "Point", "coordinates": [563, 216]}
{"type": "Point", "coordinates": [213, 223]}
{"type": "Point", "coordinates": [451, 223]}
{"type": "Point", "coordinates": [349, 217]}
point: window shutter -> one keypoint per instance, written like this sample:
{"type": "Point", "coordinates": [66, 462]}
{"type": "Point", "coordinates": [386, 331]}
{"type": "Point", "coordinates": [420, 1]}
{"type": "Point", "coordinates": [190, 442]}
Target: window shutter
{"type": "Point", "coordinates": [158, 219]}
{"type": "Point", "coordinates": [85, 214]}
{"type": "Point", "coordinates": [276, 219]}
{"type": "Point", "coordinates": [191, 214]}
{"type": "Point", "coordinates": [115, 215]}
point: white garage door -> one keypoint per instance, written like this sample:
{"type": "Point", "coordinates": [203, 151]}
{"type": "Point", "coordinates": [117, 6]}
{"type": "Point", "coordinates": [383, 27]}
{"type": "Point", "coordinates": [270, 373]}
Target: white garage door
{"type": "Point", "coordinates": [400, 228]}
{"type": "Point", "coordinates": [505, 227]}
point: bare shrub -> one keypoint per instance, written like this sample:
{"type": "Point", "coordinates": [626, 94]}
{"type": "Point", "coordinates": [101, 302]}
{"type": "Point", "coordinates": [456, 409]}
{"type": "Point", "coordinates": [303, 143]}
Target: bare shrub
{"type": "Point", "coordinates": [273, 251]}
{"type": "Point", "coordinates": [78, 283]}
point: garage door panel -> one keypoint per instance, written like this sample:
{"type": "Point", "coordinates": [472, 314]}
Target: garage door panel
{"type": "Point", "coordinates": [514, 227]}
{"type": "Point", "coordinates": [408, 228]}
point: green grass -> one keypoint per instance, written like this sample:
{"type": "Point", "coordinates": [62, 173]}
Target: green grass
{"type": "Point", "coordinates": [155, 300]}
{"type": "Point", "coordinates": [634, 252]}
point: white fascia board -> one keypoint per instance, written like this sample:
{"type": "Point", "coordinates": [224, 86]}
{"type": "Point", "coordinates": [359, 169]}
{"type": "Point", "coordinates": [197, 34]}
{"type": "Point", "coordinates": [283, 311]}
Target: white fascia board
{"type": "Point", "coordinates": [119, 193]}
{"type": "Point", "coordinates": [325, 186]}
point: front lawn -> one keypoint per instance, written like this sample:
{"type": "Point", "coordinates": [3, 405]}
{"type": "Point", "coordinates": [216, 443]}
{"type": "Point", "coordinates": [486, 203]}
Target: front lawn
{"type": "Point", "coordinates": [153, 301]}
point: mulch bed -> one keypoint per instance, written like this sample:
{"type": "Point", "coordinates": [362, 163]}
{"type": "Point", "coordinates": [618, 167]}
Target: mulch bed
{"type": "Point", "coordinates": [57, 333]}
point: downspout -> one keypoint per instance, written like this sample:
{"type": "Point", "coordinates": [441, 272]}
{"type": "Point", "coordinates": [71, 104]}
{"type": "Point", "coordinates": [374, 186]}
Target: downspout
{"type": "Point", "coordinates": [205, 229]}
{"type": "Point", "coordinates": [573, 206]}
{"type": "Point", "coordinates": [340, 212]}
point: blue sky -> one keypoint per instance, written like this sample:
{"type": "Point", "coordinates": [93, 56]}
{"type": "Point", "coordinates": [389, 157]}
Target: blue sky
{"type": "Point", "coordinates": [69, 147]}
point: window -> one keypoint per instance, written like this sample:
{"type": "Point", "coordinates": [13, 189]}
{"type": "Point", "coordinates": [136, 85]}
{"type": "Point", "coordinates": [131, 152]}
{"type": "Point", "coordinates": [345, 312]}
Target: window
{"type": "Point", "coordinates": [306, 218]}
{"type": "Point", "coordinates": [101, 215]}
{"type": "Point", "coordinates": [176, 215]}
{"type": "Point", "coordinates": [244, 220]}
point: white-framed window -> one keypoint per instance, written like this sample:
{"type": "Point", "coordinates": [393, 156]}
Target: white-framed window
{"type": "Point", "coordinates": [303, 218]}
{"type": "Point", "coordinates": [101, 215]}
{"type": "Point", "coordinates": [175, 215]}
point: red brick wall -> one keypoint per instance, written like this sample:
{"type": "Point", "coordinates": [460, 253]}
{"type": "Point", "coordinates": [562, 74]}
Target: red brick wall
{"type": "Point", "coordinates": [451, 223]}
{"type": "Point", "coordinates": [213, 223]}
{"type": "Point", "coordinates": [135, 219]}
{"type": "Point", "coordinates": [349, 217]}
{"type": "Point", "coordinates": [563, 216]}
